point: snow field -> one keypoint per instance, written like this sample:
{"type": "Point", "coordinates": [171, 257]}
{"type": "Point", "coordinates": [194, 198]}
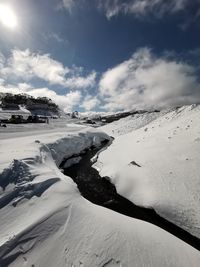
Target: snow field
{"type": "Point", "coordinates": [60, 228]}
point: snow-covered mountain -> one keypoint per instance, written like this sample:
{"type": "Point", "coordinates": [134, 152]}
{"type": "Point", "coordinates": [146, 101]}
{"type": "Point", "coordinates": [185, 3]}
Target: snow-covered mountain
{"type": "Point", "coordinates": [153, 161]}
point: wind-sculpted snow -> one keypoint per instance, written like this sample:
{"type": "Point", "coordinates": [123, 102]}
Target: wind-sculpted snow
{"type": "Point", "coordinates": [168, 151]}
{"type": "Point", "coordinates": [19, 179]}
{"type": "Point", "coordinates": [48, 223]}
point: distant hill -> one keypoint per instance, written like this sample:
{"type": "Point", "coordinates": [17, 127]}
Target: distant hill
{"type": "Point", "coordinates": [111, 117]}
{"type": "Point", "coordinates": [37, 106]}
{"type": "Point", "coordinates": [119, 115]}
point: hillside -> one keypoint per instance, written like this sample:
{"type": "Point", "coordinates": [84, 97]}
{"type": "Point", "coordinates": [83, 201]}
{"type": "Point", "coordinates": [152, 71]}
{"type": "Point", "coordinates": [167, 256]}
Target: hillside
{"type": "Point", "coordinates": [23, 104]}
{"type": "Point", "coordinates": [153, 162]}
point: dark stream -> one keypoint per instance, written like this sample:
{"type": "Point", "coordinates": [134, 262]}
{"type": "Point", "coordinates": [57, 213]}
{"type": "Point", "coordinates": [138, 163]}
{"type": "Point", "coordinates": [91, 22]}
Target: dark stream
{"type": "Point", "coordinates": [101, 191]}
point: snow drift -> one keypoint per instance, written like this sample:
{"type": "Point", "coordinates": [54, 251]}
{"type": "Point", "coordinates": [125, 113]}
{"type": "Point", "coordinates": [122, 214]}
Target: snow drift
{"type": "Point", "coordinates": [165, 173]}
{"type": "Point", "coordinates": [48, 223]}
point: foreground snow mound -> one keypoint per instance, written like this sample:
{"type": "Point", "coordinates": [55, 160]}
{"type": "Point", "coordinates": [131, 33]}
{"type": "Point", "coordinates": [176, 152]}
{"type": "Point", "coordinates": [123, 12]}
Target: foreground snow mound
{"type": "Point", "coordinates": [82, 234]}
{"type": "Point", "coordinates": [158, 166]}
{"type": "Point", "coordinates": [19, 179]}
{"type": "Point", "coordinates": [45, 221]}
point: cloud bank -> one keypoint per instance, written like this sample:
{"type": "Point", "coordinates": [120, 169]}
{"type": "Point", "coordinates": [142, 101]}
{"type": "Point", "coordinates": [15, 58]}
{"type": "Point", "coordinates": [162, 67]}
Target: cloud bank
{"type": "Point", "coordinates": [26, 65]}
{"type": "Point", "coordinates": [90, 103]}
{"type": "Point", "coordinates": [147, 81]}
{"type": "Point", "coordinates": [144, 81]}
{"type": "Point", "coordinates": [19, 71]}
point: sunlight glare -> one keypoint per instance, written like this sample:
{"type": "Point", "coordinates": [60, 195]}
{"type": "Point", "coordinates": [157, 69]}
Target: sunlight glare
{"type": "Point", "coordinates": [7, 16]}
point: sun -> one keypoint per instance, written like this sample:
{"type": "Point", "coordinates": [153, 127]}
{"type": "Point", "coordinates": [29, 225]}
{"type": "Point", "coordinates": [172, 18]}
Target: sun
{"type": "Point", "coordinates": [7, 16]}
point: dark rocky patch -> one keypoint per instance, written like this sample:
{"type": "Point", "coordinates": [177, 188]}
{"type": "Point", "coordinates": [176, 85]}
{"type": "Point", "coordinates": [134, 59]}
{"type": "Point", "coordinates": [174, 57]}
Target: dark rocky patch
{"type": "Point", "coordinates": [134, 163]}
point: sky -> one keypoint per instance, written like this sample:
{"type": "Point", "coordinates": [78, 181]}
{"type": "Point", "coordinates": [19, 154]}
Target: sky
{"type": "Point", "coordinates": [102, 55]}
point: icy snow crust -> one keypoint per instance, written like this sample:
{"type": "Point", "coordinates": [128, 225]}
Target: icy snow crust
{"type": "Point", "coordinates": [50, 224]}
{"type": "Point", "coordinates": [168, 151]}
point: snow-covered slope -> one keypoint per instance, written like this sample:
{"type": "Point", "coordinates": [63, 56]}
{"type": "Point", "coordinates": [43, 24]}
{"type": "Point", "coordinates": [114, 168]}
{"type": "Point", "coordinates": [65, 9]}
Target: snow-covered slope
{"type": "Point", "coordinates": [130, 123]}
{"type": "Point", "coordinates": [45, 221]}
{"type": "Point", "coordinates": [157, 165]}
{"type": "Point", "coordinates": [79, 233]}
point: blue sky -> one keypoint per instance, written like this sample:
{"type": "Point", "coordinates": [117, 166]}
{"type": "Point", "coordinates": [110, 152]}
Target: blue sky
{"type": "Point", "coordinates": [102, 55]}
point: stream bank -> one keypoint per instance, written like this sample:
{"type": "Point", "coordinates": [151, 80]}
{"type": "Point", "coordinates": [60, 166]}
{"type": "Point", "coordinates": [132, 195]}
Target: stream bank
{"type": "Point", "coordinates": [99, 190]}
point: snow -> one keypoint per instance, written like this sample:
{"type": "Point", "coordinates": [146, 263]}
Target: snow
{"type": "Point", "coordinates": [6, 114]}
{"type": "Point", "coordinates": [167, 149]}
{"type": "Point", "coordinates": [83, 234]}
{"type": "Point", "coordinates": [130, 123]}
{"type": "Point", "coordinates": [48, 222]}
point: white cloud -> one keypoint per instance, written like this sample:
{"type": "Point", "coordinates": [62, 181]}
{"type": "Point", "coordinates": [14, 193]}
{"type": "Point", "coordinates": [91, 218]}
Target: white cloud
{"type": "Point", "coordinates": [25, 87]}
{"type": "Point", "coordinates": [146, 81]}
{"type": "Point", "coordinates": [90, 102]}
{"type": "Point", "coordinates": [27, 65]}
{"type": "Point", "coordinates": [1, 81]}
{"type": "Point", "coordinates": [68, 4]}
{"type": "Point", "coordinates": [142, 7]}
{"type": "Point", "coordinates": [67, 102]}
{"type": "Point", "coordinates": [81, 82]}
{"type": "Point", "coordinates": [9, 88]}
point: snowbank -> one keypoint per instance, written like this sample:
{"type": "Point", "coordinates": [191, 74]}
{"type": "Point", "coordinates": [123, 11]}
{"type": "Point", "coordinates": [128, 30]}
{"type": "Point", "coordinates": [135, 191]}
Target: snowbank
{"type": "Point", "coordinates": [130, 123]}
{"type": "Point", "coordinates": [46, 222]}
{"type": "Point", "coordinates": [157, 165]}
